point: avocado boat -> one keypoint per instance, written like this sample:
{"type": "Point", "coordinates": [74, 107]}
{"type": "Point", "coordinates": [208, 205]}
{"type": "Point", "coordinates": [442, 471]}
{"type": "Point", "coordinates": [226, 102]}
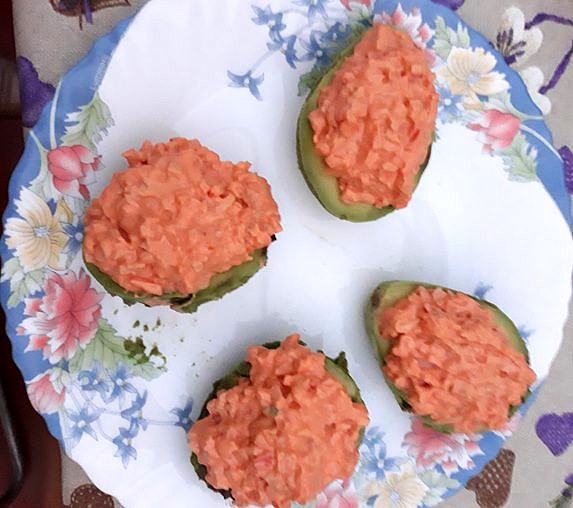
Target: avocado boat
{"type": "Point", "coordinates": [179, 226]}
{"type": "Point", "coordinates": [219, 285]}
{"type": "Point", "coordinates": [323, 184]}
{"type": "Point", "coordinates": [390, 292]}
{"type": "Point", "coordinates": [337, 367]}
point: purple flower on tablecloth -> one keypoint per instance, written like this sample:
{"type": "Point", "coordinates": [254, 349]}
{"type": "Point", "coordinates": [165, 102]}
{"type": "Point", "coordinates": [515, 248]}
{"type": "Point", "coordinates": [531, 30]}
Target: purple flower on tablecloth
{"type": "Point", "coordinates": [565, 498]}
{"type": "Point", "coordinates": [452, 4]}
{"type": "Point", "coordinates": [567, 157]}
{"type": "Point", "coordinates": [34, 93]}
{"type": "Point", "coordinates": [84, 8]}
{"type": "Point", "coordinates": [514, 41]}
{"type": "Point", "coordinates": [556, 431]}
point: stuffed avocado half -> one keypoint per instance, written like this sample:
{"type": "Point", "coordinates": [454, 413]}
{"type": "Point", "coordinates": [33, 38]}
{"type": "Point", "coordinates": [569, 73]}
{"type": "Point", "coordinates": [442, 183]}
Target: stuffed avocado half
{"type": "Point", "coordinates": [220, 285]}
{"type": "Point", "coordinates": [337, 367]}
{"type": "Point", "coordinates": [311, 400]}
{"type": "Point", "coordinates": [179, 226]}
{"type": "Point", "coordinates": [372, 146]}
{"type": "Point", "coordinates": [472, 310]}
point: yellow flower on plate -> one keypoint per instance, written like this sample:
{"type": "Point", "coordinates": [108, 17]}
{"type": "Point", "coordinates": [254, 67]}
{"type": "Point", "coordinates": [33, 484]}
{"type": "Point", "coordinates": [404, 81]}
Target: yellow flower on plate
{"type": "Point", "coordinates": [469, 72]}
{"type": "Point", "coordinates": [37, 237]}
{"type": "Point", "coordinates": [400, 489]}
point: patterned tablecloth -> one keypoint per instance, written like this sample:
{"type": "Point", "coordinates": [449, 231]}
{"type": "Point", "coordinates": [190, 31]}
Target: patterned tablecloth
{"type": "Point", "coordinates": [535, 468]}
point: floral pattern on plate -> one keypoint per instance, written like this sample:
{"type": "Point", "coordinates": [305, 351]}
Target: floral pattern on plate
{"type": "Point", "coordinates": [471, 90]}
{"type": "Point", "coordinates": [88, 379]}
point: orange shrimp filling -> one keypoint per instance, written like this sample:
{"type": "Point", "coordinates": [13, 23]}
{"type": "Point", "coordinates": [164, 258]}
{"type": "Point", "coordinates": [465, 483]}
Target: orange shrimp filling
{"type": "Point", "coordinates": [452, 361]}
{"type": "Point", "coordinates": [177, 216]}
{"type": "Point", "coordinates": [284, 433]}
{"type": "Point", "coordinates": [374, 121]}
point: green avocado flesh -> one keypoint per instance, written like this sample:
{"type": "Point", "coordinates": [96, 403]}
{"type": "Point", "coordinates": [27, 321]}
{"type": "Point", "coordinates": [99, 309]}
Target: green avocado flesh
{"type": "Point", "coordinates": [338, 368]}
{"type": "Point", "coordinates": [220, 284]}
{"type": "Point", "coordinates": [322, 184]}
{"type": "Point", "coordinates": [386, 295]}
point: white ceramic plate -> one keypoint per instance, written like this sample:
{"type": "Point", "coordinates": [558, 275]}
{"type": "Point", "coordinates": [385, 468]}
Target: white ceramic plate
{"type": "Point", "coordinates": [228, 74]}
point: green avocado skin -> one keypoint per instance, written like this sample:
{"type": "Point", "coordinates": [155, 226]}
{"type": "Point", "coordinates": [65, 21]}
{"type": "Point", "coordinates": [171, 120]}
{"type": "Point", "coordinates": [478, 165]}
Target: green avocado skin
{"type": "Point", "coordinates": [388, 293]}
{"type": "Point", "coordinates": [337, 367]}
{"type": "Point", "coordinates": [220, 284]}
{"type": "Point", "coordinates": [323, 185]}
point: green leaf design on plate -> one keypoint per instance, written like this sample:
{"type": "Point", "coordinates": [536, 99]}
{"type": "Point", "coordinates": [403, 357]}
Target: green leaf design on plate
{"type": "Point", "coordinates": [22, 284]}
{"type": "Point", "coordinates": [90, 121]}
{"type": "Point", "coordinates": [109, 349]}
{"type": "Point", "coordinates": [10, 268]}
{"type": "Point", "coordinates": [42, 183]}
{"type": "Point", "coordinates": [445, 38]}
{"type": "Point", "coordinates": [502, 102]}
{"type": "Point", "coordinates": [520, 159]}
{"type": "Point", "coordinates": [438, 484]}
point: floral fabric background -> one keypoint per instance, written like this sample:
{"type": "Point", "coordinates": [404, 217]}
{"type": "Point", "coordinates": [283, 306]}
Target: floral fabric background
{"type": "Point", "coordinates": [535, 468]}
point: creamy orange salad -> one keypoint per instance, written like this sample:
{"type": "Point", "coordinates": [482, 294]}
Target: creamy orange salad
{"type": "Point", "coordinates": [177, 216]}
{"type": "Point", "coordinates": [452, 360]}
{"type": "Point", "coordinates": [282, 434]}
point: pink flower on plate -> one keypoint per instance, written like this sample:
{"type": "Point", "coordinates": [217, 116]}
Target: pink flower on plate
{"type": "Point", "coordinates": [411, 23]}
{"type": "Point", "coordinates": [65, 318]}
{"type": "Point", "coordinates": [43, 394]}
{"type": "Point", "coordinates": [510, 427]}
{"type": "Point", "coordinates": [72, 169]}
{"type": "Point", "coordinates": [347, 3]}
{"type": "Point", "coordinates": [429, 447]}
{"type": "Point", "coordinates": [339, 494]}
{"type": "Point", "coordinates": [497, 129]}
